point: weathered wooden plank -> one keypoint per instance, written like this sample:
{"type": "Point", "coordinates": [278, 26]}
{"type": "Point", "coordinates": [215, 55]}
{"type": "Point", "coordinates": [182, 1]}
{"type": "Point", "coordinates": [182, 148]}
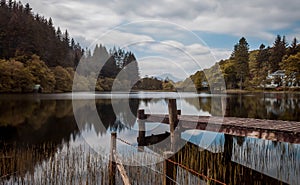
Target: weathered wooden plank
{"type": "Point", "coordinates": [276, 130]}
{"type": "Point", "coordinates": [247, 122]}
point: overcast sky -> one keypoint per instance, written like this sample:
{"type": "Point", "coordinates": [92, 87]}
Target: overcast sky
{"type": "Point", "coordinates": [177, 37]}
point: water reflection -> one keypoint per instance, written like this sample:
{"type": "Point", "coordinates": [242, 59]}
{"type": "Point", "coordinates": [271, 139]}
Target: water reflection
{"type": "Point", "coordinates": [34, 129]}
{"type": "Point", "coordinates": [277, 106]}
{"type": "Point", "coordinates": [110, 118]}
{"type": "Point", "coordinates": [273, 161]}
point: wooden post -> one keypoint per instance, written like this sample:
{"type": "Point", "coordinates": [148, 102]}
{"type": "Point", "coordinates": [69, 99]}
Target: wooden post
{"type": "Point", "coordinates": [142, 134]}
{"type": "Point", "coordinates": [173, 118]}
{"type": "Point", "coordinates": [169, 170]}
{"type": "Point", "coordinates": [112, 163]}
{"type": "Point", "coordinates": [141, 114]}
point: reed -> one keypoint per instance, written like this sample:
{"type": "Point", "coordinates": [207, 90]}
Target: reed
{"type": "Point", "coordinates": [41, 165]}
{"type": "Point", "coordinates": [49, 163]}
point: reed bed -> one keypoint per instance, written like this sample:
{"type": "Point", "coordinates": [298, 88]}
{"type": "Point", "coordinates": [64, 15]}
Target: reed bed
{"type": "Point", "coordinates": [53, 164]}
{"type": "Point", "coordinates": [66, 166]}
{"type": "Point", "coordinates": [45, 164]}
{"type": "Point", "coordinates": [78, 165]}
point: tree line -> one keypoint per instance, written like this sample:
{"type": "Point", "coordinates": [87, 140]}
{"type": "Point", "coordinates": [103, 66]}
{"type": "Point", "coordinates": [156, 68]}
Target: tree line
{"type": "Point", "coordinates": [33, 51]}
{"type": "Point", "coordinates": [19, 77]}
{"type": "Point", "coordinates": [111, 65]}
{"type": "Point", "coordinates": [246, 69]}
{"type": "Point", "coordinates": [23, 33]}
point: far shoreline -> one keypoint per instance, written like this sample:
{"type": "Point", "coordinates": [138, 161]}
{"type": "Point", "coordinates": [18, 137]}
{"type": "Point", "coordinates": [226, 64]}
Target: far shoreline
{"type": "Point", "coordinates": [243, 91]}
{"type": "Point", "coordinates": [226, 91]}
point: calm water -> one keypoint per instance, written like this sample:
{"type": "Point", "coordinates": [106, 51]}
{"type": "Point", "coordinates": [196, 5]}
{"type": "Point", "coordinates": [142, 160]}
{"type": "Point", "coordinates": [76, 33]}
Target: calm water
{"type": "Point", "coordinates": [35, 129]}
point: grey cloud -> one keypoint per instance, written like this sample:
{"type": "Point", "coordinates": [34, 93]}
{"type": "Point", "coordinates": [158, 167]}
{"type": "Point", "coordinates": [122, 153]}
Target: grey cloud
{"type": "Point", "coordinates": [163, 9]}
{"type": "Point", "coordinates": [88, 20]}
{"type": "Point", "coordinates": [249, 18]}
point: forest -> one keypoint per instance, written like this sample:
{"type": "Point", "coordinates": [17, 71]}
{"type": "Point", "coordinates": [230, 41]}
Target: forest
{"type": "Point", "coordinates": [33, 51]}
{"type": "Point", "coordinates": [275, 67]}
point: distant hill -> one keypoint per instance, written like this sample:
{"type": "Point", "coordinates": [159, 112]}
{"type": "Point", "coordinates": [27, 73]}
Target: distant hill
{"type": "Point", "coordinates": [169, 76]}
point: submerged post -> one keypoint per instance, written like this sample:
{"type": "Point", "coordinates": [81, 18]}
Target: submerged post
{"type": "Point", "coordinates": [112, 163]}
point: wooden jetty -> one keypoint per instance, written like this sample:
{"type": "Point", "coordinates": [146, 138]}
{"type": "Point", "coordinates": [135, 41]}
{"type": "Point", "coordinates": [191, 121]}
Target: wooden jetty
{"type": "Point", "coordinates": [275, 130]}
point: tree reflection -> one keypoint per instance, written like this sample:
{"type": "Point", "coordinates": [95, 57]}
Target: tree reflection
{"type": "Point", "coordinates": [33, 130]}
{"type": "Point", "coordinates": [260, 106]}
{"type": "Point", "coordinates": [254, 161]}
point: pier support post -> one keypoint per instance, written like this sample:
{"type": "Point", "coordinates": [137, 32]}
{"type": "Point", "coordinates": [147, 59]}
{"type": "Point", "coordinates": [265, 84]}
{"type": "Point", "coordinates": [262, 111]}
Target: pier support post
{"type": "Point", "coordinates": [169, 169]}
{"type": "Point", "coordinates": [141, 114]}
{"type": "Point", "coordinates": [142, 134]}
{"type": "Point", "coordinates": [173, 121]}
{"type": "Point", "coordinates": [112, 164]}
{"type": "Point", "coordinates": [173, 118]}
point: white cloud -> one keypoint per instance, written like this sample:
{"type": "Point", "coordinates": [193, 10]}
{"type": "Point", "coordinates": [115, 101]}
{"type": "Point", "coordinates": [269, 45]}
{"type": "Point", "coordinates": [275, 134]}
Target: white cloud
{"type": "Point", "coordinates": [220, 54]}
{"type": "Point", "coordinates": [176, 58]}
{"type": "Point", "coordinates": [122, 39]}
{"type": "Point", "coordinates": [248, 18]}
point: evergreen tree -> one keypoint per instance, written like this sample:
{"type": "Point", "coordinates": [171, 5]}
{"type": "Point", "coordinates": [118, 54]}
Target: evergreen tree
{"type": "Point", "coordinates": [58, 33]}
{"type": "Point", "coordinates": [3, 3]}
{"type": "Point", "coordinates": [10, 4]}
{"type": "Point", "coordinates": [27, 8]}
{"type": "Point", "coordinates": [66, 38]}
{"type": "Point", "coordinates": [294, 48]}
{"type": "Point", "coordinates": [132, 68]}
{"type": "Point", "coordinates": [277, 53]}
{"type": "Point", "coordinates": [23, 34]}
{"type": "Point", "coordinates": [262, 58]}
{"type": "Point", "coordinates": [72, 43]}
{"type": "Point", "coordinates": [240, 56]}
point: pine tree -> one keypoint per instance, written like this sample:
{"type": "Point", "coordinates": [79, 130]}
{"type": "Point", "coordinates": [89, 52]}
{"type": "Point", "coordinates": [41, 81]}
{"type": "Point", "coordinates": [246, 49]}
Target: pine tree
{"type": "Point", "coordinates": [50, 23]}
{"type": "Point", "coordinates": [27, 8]}
{"type": "Point", "coordinates": [66, 38]}
{"type": "Point", "coordinates": [277, 53]}
{"type": "Point", "coordinates": [23, 34]}
{"type": "Point", "coordinates": [72, 43]}
{"type": "Point", "coordinates": [262, 58]}
{"type": "Point", "coordinates": [10, 4]}
{"type": "Point", "coordinates": [58, 33]}
{"type": "Point", "coordinates": [240, 56]}
{"type": "Point", "coordinates": [3, 3]}
{"type": "Point", "coordinates": [260, 65]}
{"type": "Point", "coordinates": [293, 49]}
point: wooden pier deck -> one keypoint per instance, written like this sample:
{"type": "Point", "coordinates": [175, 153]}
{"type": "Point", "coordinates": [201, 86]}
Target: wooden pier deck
{"type": "Point", "coordinates": [275, 130]}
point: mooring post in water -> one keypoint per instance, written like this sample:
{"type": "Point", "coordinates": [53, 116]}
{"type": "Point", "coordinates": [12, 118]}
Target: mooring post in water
{"type": "Point", "coordinates": [142, 135]}
{"type": "Point", "coordinates": [173, 118]}
{"type": "Point", "coordinates": [173, 121]}
{"type": "Point", "coordinates": [112, 164]}
{"type": "Point", "coordinates": [169, 169]}
{"type": "Point", "coordinates": [141, 114]}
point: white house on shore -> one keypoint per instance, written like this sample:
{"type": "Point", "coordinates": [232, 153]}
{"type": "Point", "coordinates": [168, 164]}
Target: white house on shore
{"type": "Point", "coordinates": [279, 78]}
